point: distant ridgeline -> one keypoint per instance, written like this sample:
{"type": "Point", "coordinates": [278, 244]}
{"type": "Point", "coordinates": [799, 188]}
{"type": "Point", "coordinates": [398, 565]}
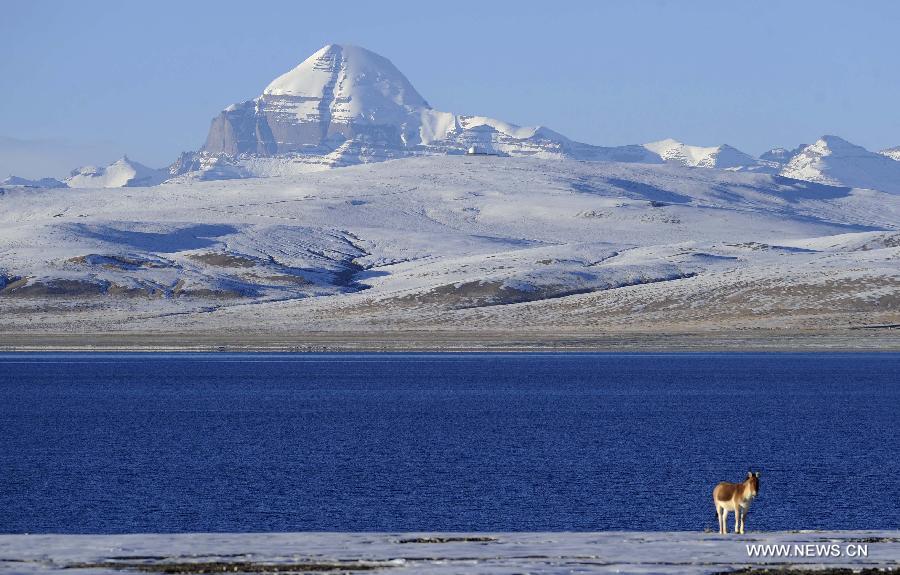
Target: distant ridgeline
{"type": "Point", "coordinates": [345, 105]}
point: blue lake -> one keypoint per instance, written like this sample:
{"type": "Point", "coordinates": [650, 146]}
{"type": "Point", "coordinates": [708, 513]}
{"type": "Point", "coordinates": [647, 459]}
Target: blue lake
{"type": "Point", "coordinates": [99, 443]}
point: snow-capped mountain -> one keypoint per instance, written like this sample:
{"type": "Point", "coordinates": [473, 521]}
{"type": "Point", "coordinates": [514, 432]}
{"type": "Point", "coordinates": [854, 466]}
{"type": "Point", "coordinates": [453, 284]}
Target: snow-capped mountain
{"type": "Point", "coordinates": [893, 153]}
{"type": "Point", "coordinates": [835, 161]}
{"type": "Point", "coordinates": [723, 157]}
{"type": "Point", "coordinates": [779, 157]}
{"type": "Point", "coordinates": [121, 173]}
{"type": "Point", "coordinates": [345, 105]}
{"type": "Point", "coordinates": [338, 93]}
{"type": "Point", "coordinates": [16, 181]}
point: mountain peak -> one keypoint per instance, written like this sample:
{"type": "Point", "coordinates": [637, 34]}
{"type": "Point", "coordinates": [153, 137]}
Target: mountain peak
{"type": "Point", "coordinates": [347, 105]}
{"type": "Point", "coordinates": [836, 144]}
{"type": "Point", "coordinates": [722, 156]}
{"type": "Point", "coordinates": [121, 173]}
{"type": "Point", "coordinates": [339, 93]}
{"type": "Point", "coordinates": [892, 153]}
{"type": "Point", "coordinates": [781, 156]}
{"type": "Point", "coordinates": [835, 161]}
{"type": "Point", "coordinates": [347, 71]}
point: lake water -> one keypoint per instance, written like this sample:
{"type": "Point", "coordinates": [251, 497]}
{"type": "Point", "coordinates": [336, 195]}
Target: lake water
{"type": "Point", "coordinates": [240, 442]}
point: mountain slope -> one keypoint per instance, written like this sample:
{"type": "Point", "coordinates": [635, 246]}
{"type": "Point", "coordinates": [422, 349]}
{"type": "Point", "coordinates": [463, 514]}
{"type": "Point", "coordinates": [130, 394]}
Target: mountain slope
{"type": "Point", "coordinates": [779, 157]}
{"type": "Point", "coordinates": [835, 161]}
{"type": "Point", "coordinates": [121, 173]}
{"type": "Point", "coordinates": [892, 153]}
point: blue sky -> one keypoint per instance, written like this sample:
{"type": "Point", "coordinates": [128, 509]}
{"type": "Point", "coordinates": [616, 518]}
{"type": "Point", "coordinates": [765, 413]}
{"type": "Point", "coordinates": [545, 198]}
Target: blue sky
{"type": "Point", "coordinates": [87, 81]}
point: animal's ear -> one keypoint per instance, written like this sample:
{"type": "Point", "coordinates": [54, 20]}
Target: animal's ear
{"type": "Point", "coordinates": [749, 473]}
{"type": "Point", "coordinates": [757, 474]}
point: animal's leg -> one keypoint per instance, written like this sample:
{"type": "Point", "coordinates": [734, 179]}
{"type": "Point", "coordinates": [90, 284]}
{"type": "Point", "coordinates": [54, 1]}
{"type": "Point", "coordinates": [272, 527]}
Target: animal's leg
{"type": "Point", "coordinates": [737, 519]}
{"type": "Point", "coordinates": [719, 517]}
{"type": "Point", "coordinates": [743, 518]}
{"type": "Point", "coordinates": [724, 521]}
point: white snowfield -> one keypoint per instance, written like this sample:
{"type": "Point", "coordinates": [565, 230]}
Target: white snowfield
{"type": "Point", "coordinates": [453, 242]}
{"type": "Point", "coordinates": [450, 553]}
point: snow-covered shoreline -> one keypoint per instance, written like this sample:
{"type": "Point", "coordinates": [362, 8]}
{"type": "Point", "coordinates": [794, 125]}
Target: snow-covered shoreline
{"type": "Point", "coordinates": [445, 553]}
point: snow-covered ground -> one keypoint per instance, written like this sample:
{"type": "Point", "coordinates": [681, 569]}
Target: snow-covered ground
{"type": "Point", "coordinates": [453, 242]}
{"type": "Point", "coordinates": [444, 553]}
